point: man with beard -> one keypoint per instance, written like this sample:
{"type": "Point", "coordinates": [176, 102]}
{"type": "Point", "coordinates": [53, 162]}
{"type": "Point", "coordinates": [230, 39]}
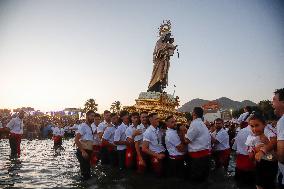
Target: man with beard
{"type": "Point", "coordinates": [84, 140]}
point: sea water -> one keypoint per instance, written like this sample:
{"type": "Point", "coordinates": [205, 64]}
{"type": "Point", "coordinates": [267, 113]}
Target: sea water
{"type": "Point", "coordinates": [41, 166]}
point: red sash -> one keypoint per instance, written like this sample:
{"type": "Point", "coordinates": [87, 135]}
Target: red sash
{"type": "Point", "coordinates": [157, 165]}
{"type": "Point", "coordinates": [199, 154]}
{"type": "Point", "coordinates": [18, 138]}
{"type": "Point", "coordinates": [140, 166]}
{"type": "Point", "coordinates": [224, 157]}
{"type": "Point", "coordinates": [57, 139]}
{"type": "Point", "coordinates": [95, 157]}
{"type": "Point", "coordinates": [179, 157]}
{"type": "Point", "coordinates": [130, 156]}
{"type": "Point", "coordinates": [105, 145]}
{"type": "Point", "coordinates": [244, 163]}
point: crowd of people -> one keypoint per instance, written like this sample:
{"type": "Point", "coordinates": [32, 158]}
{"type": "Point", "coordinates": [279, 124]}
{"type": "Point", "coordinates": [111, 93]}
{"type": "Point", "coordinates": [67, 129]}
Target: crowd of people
{"type": "Point", "coordinates": [40, 126]}
{"type": "Point", "coordinates": [141, 142]}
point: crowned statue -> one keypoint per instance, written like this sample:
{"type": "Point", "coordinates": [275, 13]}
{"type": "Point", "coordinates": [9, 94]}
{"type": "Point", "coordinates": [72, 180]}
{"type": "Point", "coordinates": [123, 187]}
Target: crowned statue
{"type": "Point", "coordinates": [156, 99]}
{"type": "Point", "coordinates": [164, 49]}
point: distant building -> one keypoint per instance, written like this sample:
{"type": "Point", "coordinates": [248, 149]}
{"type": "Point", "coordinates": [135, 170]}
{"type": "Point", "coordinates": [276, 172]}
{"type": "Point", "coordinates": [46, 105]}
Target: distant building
{"type": "Point", "coordinates": [212, 111]}
{"type": "Point", "coordinates": [211, 115]}
{"type": "Point", "coordinates": [212, 105]}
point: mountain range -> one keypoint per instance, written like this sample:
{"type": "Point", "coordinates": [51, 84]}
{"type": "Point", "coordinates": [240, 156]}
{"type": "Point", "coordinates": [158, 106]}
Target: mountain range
{"type": "Point", "coordinates": [224, 102]}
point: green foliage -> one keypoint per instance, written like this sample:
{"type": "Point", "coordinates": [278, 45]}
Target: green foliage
{"type": "Point", "coordinates": [264, 107]}
{"type": "Point", "coordinates": [115, 107]}
{"type": "Point", "coordinates": [90, 104]}
{"type": "Point", "coordinates": [188, 116]}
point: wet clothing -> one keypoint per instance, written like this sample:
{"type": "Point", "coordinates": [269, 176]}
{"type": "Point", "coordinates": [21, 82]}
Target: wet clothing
{"type": "Point", "coordinates": [120, 135]}
{"type": "Point", "coordinates": [15, 142]}
{"type": "Point", "coordinates": [16, 130]}
{"type": "Point", "coordinates": [85, 164]}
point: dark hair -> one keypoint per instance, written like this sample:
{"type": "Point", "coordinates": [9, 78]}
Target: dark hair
{"type": "Point", "coordinates": [134, 114]}
{"type": "Point", "coordinates": [106, 112]}
{"type": "Point", "coordinates": [152, 114]}
{"type": "Point", "coordinates": [257, 116]}
{"type": "Point", "coordinates": [90, 112]}
{"type": "Point", "coordinates": [123, 113]}
{"type": "Point", "coordinates": [280, 92]}
{"type": "Point", "coordinates": [219, 119]}
{"type": "Point", "coordinates": [97, 115]}
{"type": "Point", "coordinates": [113, 114]}
{"type": "Point", "coordinates": [169, 117]}
{"type": "Point", "coordinates": [144, 112]}
{"type": "Point", "coordinates": [198, 112]}
{"type": "Point", "coordinates": [248, 108]}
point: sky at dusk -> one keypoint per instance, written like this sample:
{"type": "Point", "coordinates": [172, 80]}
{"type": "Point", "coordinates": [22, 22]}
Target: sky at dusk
{"type": "Point", "coordinates": [57, 54]}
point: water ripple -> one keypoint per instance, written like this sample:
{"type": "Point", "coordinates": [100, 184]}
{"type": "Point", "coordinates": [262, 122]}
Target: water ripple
{"type": "Point", "coordinates": [40, 166]}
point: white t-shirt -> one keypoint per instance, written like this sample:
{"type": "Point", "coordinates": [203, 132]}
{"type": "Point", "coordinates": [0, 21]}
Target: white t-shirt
{"type": "Point", "coordinates": [253, 141]}
{"type": "Point", "coordinates": [243, 117]}
{"type": "Point", "coordinates": [95, 134]}
{"type": "Point", "coordinates": [62, 131]}
{"type": "Point", "coordinates": [198, 135]}
{"type": "Point", "coordinates": [154, 137]}
{"type": "Point", "coordinates": [129, 131]}
{"type": "Point", "coordinates": [109, 134]}
{"type": "Point", "coordinates": [240, 140]}
{"type": "Point", "coordinates": [280, 128]}
{"type": "Point", "coordinates": [119, 135]}
{"type": "Point", "coordinates": [75, 126]}
{"type": "Point", "coordinates": [223, 138]}
{"type": "Point", "coordinates": [56, 131]}
{"type": "Point", "coordinates": [238, 130]}
{"type": "Point", "coordinates": [1, 125]}
{"type": "Point", "coordinates": [172, 140]}
{"type": "Point", "coordinates": [139, 138]}
{"type": "Point", "coordinates": [280, 136]}
{"type": "Point", "coordinates": [85, 132]}
{"type": "Point", "coordinates": [102, 127]}
{"type": "Point", "coordinates": [16, 125]}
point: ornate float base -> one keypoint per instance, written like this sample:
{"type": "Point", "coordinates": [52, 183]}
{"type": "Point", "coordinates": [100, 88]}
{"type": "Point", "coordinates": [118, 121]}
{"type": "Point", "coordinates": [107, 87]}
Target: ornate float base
{"type": "Point", "coordinates": [162, 103]}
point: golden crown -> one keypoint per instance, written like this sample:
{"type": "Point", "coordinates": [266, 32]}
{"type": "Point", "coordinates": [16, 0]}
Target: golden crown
{"type": "Point", "coordinates": [165, 27]}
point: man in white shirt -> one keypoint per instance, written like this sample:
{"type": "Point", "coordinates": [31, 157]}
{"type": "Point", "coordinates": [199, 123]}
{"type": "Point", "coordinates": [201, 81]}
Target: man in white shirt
{"type": "Point", "coordinates": [152, 144]}
{"type": "Point", "coordinates": [120, 139]}
{"type": "Point", "coordinates": [220, 145]}
{"type": "Point", "coordinates": [104, 124]}
{"type": "Point", "coordinates": [96, 142]}
{"type": "Point", "coordinates": [199, 143]}
{"type": "Point", "coordinates": [57, 136]}
{"type": "Point", "coordinates": [278, 105]}
{"type": "Point", "coordinates": [176, 149]}
{"type": "Point", "coordinates": [131, 132]}
{"type": "Point", "coordinates": [108, 151]}
{"type": "Point", "coordinates": [242, 120]}
{"type": "Point", "coordinates": [84, 141]}
{"type": "Point", "coordinates": [138, 139]}
{"type": "Point", "coordinates": [15, 127]}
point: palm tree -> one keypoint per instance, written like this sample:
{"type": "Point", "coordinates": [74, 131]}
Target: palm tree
{"type": "Point", "coordinates": [90, 105]}
{"type": "Point", "coordinates": [115, 107]}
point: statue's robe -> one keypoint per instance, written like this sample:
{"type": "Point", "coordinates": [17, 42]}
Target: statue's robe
{"type": "Point", "coordinates": [161, 60]}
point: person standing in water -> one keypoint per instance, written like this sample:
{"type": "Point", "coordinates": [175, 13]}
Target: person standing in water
{"type": "Point", "coordinates": [84, 141]}
{"type": "Point", "coordinates": [15, 127]}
